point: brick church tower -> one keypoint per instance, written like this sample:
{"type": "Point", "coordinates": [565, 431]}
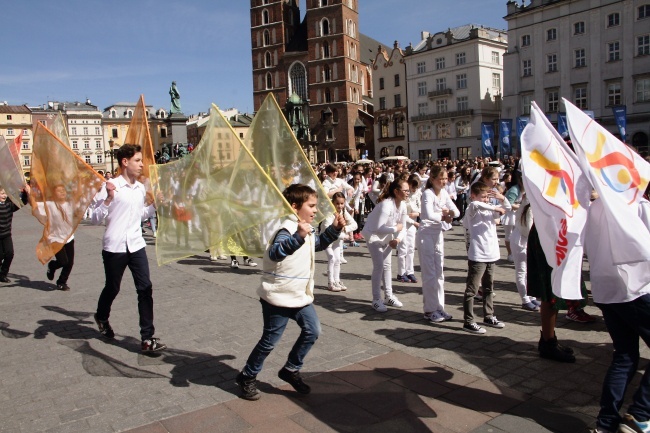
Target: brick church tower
{"type": "Point", "coordinates": [319, 60]}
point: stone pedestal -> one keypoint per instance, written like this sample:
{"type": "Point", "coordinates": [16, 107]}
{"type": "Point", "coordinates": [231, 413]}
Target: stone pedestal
{"type": "Point", "coordinates": [177, 127]}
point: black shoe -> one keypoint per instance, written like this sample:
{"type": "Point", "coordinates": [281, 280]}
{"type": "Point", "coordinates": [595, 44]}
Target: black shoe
{"type": "Point", "coordinates": [63, 287]}
{"type": "Point", "coordinates": [248, 387]}
{"type": "Point", "coordinates": [104, 328]}
{"type": "Point", "coordinates": [50, 273]}
{"type": "Point", "coordinates": [552, 350]}
{"type": "Point", "coordinates": [152, 345]}
{"type": "Point", "coordinates": [559, 346]}
{"type": "Point", "coordinates": [4, 279]}
{"type": "Point", "coordinates": [293, 378]}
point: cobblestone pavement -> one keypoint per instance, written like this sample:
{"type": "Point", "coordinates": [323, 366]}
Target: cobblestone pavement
{"type": "Point", "coordinates": [58, 375]}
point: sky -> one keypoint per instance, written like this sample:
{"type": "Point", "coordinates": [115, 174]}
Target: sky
{"type": "Point", "coordinates": [114, 51]}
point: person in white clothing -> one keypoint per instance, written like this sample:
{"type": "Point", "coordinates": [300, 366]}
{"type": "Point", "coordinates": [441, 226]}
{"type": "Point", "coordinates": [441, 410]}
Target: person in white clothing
{"type": "Point", "coordinates": [333, 184]}
{"type": "Point", "coordinates": [406, 248]}
{"type": "Point", "coordinates": [437, 208]}
{"type": "Point", "coordinates": [383, 231]}
{"type": "Point", "coordinates": [523, 221]}
{"type": "Point", "coordinates": [333, 249]}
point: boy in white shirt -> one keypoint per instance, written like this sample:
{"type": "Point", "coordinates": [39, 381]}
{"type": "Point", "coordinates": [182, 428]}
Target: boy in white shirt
{"type": "Point", "coordinates": [482, 254]}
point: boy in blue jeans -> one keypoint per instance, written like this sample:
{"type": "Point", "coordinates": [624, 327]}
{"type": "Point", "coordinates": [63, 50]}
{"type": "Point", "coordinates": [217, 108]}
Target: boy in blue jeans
{"type": "Point", "coordinates": [287, 290]}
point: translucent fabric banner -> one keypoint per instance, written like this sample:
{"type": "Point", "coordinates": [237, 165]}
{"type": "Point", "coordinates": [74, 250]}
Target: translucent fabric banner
{"type": "Point", "coordinates": [138, 133]}
{"type": "Point", "coordinates": [216, 197]}
{"type": "Point", "coordinates": [62, 187]}
{"type": "Point", "coordinates": [11, 175]}
{"type": "Point", "coordinates": [274, 145]}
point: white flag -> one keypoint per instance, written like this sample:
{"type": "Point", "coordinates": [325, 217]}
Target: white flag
{"type": "Point", "coordinates": [558, 192]}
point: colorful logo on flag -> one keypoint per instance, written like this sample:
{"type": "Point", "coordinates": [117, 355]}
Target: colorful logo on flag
{"type": "Point", "coordinates": [559, 179]}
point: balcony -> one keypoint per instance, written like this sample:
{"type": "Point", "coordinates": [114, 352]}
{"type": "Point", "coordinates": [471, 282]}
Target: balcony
{"type": "Point", "coordinates": [442, 92]}
{"type": "Point", "coordinates": [445, 115]}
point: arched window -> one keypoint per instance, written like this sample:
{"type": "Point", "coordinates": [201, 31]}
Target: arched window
{"type": "Point", "coordinates": [265, 2]}
{"type": "Point", "coordinates": [325, 27]}
{"type": "Point", "coordinates": [265, 17]}
{"type": "Point", "coordinates": [328, 95]}
{"type": "Point", "coordinates": [355, 96]}
{"type": "Point", "coordinates": [335, 115]}
{"type": "Point", "coordinates": [267, 38]}
{"type": "Point", "coordinates": [324, 3]}
{"type": "Point", "coordinates": [113, 114]}
{"type": "Point", "coordinates": [298, 81]}
{"type": "Point", "coordinates": [269, 80]}
{"type": "Point", "coordinates": [267, 60]}
{"type": "Point", "coordinates": [326, 49]}
{"type": "Point", "coordinates": [399, 151]}
{"type": "Point", "coordinates": [129, 114]}
{"type": "Point", "coordinates": [383, 153]}
{"type": "Point", "coordinates": [327, 73]}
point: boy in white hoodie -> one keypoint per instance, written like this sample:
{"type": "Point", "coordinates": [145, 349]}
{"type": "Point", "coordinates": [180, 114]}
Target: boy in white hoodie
{"type": "Point", "coordinates": [287, 290]}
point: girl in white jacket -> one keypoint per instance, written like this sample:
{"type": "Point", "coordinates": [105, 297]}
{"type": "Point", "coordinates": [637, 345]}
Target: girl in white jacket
{"type": "Point", "coordinates": [334, 249]}
{"type": "Point", "coordinates": [519, 245]}
{"type": "Point", "coordinates": [406, 248]}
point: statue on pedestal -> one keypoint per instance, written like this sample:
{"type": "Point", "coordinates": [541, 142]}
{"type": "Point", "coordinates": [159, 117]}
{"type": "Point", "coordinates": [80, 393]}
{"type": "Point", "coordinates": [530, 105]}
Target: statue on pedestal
{"type": "Point", "coordinates": [176, 99]}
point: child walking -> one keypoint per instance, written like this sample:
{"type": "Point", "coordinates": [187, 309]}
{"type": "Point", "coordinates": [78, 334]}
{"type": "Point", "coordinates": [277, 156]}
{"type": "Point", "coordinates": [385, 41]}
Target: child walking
{"type": "Point", "coordinates": [437, 208]}
{"type": "Point", "coordinates": [333, 250]}
{"type": "Point", "coordinates": [483, 253]}
{"type": "Point", "coordinates": [406, 248]}
{"type": "Point", "coordinates": [287, 290]}
{"type": "Point", "coordinates": [383, 231]}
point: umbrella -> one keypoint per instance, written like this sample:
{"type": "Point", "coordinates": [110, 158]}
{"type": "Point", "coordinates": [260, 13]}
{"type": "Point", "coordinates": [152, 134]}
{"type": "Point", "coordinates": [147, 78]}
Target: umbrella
{"type": "Point", "coordinates": [394, 158]}
{"type": "Point", "coordinates": [363, 161]}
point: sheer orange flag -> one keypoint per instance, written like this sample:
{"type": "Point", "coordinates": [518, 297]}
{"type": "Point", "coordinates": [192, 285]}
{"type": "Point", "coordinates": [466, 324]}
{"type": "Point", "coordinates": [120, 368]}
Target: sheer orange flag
{"type": "Point", "coordinates": [62, 188]}
{"type": "Point", "coordinates": [15, 149]}
{"type": "Point", "coordinates": [139, 133]}
{"type": "Point", "coordinates": [11, 175]}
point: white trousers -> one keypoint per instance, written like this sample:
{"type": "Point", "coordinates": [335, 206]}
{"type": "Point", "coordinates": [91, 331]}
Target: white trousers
{"type": "Point", "coordinates": [519, 257]}
{"type": "Point", "coordinates": [406, 252]}
{"type": "Point", "coordinates": [381, 269]}
{"type": "Point", "coordinates": [333, 252]}
{"type": "Point", "coordinates": [431, 250]}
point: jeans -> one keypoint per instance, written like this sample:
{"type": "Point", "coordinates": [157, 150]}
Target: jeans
{"type": "Point", "coordinates": [275, 322]}
{"type": "Point", "coordinates": [64, 260]}
{"type": "Point", "coordinates": [483, 272]}
{"type": "Point", "coordinates": [6, 255]}
{"type": "Point", "coordinates": [114, 266]}
{"type": "Point", "coordinates": [626, 322]}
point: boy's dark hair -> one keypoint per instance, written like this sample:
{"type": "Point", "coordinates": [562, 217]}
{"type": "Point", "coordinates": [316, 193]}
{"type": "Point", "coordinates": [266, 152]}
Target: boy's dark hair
{"type": "Point", "coordinates": [298, 194]}
{"type": "Point", "coordinates": [330, 168]}
{"type": "Point", "coordinates": [478, 188]}
{"type": "Point", "coordinates": [127, 151]}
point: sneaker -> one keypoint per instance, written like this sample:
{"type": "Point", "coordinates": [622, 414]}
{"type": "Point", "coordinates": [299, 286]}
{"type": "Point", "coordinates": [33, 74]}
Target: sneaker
{"type": "Point", "coordinates": [378, 305]}
{"type": "Point", "coordinates": [479, 296]}
{"type": "Point", "coordinates": [341, 286]}
{"type": "Point", "coordinates": [493, 322]}
{"type": "Point", "coordinates": [213, 259]}
{"type": "Point", "coordinates": [444, 314]}
{"type": "Point", "coordinates": [234, 264]}
{"type": "Point", "coordinates": [4, 279]}
{"type": "Point", "coordinates": [402, 278]}
{"type": "Point", "coordinates": [473, 328]}
{"type": "Point", "coordinates": [354, 244]}
{"type": "Point", "coordinates": [250, 262]}
{"type": "Point", "coordinates": [579, 315]}
{"type": "Point", "coordinates": [360, 237]}
{"type": "Point", "coordinates": [552, 350]}
{"type": "Point", "coordinates": [50, 273]}
{"type": "Point", "coordinates": [530, 306]}
{"type": "Point", "coordinates": [629, 424]}
{"type": "Point", "coordinates": [435, 317]}
{"type": "Point", "coordinates": [104, 328]}
{"type": "Point", "coordinates": [510, 259]}
{"type": "Point", "coordinates": [535, 301]}
{"type": "Point", "coordinates": [222, 257]}
{"type": "Point", "coordinates": [393, 302]}
{"type": "Point", "coordinates": [64, 287]}
{"type": "Point", "coordinates": [294, 379]}
{"type": "Point", "coordinates": [248, 387]}
{"type": "Point", "coordinates": [343, 260]}
{"type": "Point", "coordinates": [333, 287]}
{"type": "Point", "coordinates": [412, 278]}
{"type": "Point", "coordinates": [345, 247]}
{"type": "Point", "coordinates": [152, 345]}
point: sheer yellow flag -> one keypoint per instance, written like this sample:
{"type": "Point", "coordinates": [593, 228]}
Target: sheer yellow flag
{"type": "Point", "coordinates": [274, 145]}
{"type": "Point", "coordinates": [216, 197]}
{"type": "Point", "coordinates": [12, 179]}
{"type": "Point", "coordinates": [62, 188]}
{"type": "Point", "coordinates": [138, 133]}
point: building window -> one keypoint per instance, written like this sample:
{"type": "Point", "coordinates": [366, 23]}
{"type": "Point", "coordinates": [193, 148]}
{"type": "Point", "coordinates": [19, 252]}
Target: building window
{"type": "Point", "coordinates": [424, 155]}
{"type": "Point", "coordinates": [643, 45]}
{"type": "Point", "coordinates": [644, 12]}
{"type": "Point", "coordinates": [460, 58]}
{"type": "Point", "coordinates": [424, 132]}
{"type": "Point", "coordinates": [100, 159]}
{"type": "Point", "coordinates": [440, 63]}
{"type": "Point", "coordinates": [327, 73]}
{"type": "Point", "coordinates": [9, 117]}
{"type": "Point", "coordinates": [267, 60]}
{"type": "Point", "coordinates": [73, 130]}
{"type": "Point", "coordinates": [269, 81]}
{"type": "Point", "coordinates": [399, 126]}
{"type": "Point", "coordinates": [87, 159]}
{"type": "Point", "coordinates": [10, 131]}
{"type": "Point", "coordinates": [399, 151]}
{"type": "Point", "coordinates": [86, 129]}
{"type": "Point", "coordinates": [441, 83]}
{"type": "Point", "coordinates": [114, 132]}
{"type": "Point", "coordinates": [580, 58]}
{"type": "Point", "coordinates": [86, 144]}
{"type": "Point", "coordinates": [525, 40]}
{"type": "Point", "coordinates": [98, 144]}
{"type": "Point", "coordinates": [496, 58]}
{"type": "Point", "coordinates": [25, 145]}
{"type": "Point", "coordinates": [398, 100]}
{"type": "Point", "coordinates": [163, 132]}
{"type": "Point", "coordinates": [326, 49]}
{"type": "Point", "coordinates": [443, 130]}
{"type": "Point", "coordinates": [527, 67]}
{"type": "Point", "coordinates": [396, 80]}
{"type": "Point", "coordinates": [613, 51]}
{"type": "Point", "coordinates": [551, 34]}
{"type": "Point", "coordinates": [75, 144]}
{"type": "Point", "coordinates": [43, 122]}
{"type": "Point", "coordinates": [525, 103]}
{"type": "Point", "coordinates": [642, 90]}
{"type": "Point", "coordinates": [26, 160]}
{"type": "Point", "coordinates": [98, 130]}
{"type": "Point", "coordinates": [614, 94]}
{"type": "Point", "coordinates": [464, 152]}
{"type": "Point", "coordinates": [462, 103]}
{"type": "Point", "coordinates": [463, 128]}
{"type": "Point", "coordinates": [580, 97]}
{"type": "Point", "coordinates": [441, 106]}
{"type": "Point", "coordinates": [382, 103]}
{"type": "Point", "coordinates": [422, 88]}
{"type": "Point", "coordinates": [552, 101]}
{"type": "Point", "coordinates": [383, 128]}
{"type": "Point", "coordinates": [613, 19]}
{"type": "Point", "coordinates": [328, 95]}
{"type": "Point", "coordinates": [325, 27]}
{"type": "Point", "coordinates": [461, 81]}
{"type": "Point", "coordinates": [267, 38]}
{"type": "Point", "coordinates": [329, 134]}
{"type": "Point", "coordinates": [551, 63]}
{"type": "Point", "coordinates": [421, 67]}
{"type": "Point", "coordinates": [579, 28]}
{"type": "Point", "coordinates": [423, 109]}
{"type": "Point", "coordinates": [496, 81]}
{"type": "Point", "coordinates": [381, 84]}
{"type": "Point", "coordinates": [298, 81]}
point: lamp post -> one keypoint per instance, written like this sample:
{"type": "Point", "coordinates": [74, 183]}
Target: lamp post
{"type": "Point", "coordinates": [111, 153]}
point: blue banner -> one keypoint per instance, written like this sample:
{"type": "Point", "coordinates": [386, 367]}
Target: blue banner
{"type": "Point", "coordinates": [562, 126]}
{"type": "Point", "coordinates": [487, 137]}
{"type": "Point", "coordinates": [589, 113]}
{"type": "Point", "coordinates": [522, 121]}
{"type": "Point", "coordinates": [620, 112]}
{"type": "Point", "coordinates": [505, 129]}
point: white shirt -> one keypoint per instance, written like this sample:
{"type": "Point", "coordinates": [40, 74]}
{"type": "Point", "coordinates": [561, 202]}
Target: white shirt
{"type": "Point", "coordinates": [382, 221]}
{"type": "Point", "coordinates": [483, 240]}
{"type": "Point", "coordinates": [123, 216]}
{"type": "Point", "coordinates": [432, 206]}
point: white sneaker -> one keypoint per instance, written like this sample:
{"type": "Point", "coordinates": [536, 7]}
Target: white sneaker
{"type": "Point", "coordinates": [222, 257]}
{"type": "Point", "coordinates": [341, 286]}
{"type": "Point", "coordinates": [510, 259]}
{"type": "Point", "coordinates": [378, 305]}
{"type": "Point", "coordinates": [434, 317]}
{"type": "Point", "coordinates": [250, 262]}
{"type": "Point", "coordinates": [343, 260]}
{"type": "Point", "coordinates": [393, 302]}
{"type": "Point", "coordinates": [333, 287]}
{"type": "Point", "coordinates": [234, 264]}
{"type": "Point", "coordinates": [444, 314]}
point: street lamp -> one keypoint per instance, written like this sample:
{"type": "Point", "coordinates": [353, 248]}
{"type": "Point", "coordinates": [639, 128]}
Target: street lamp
{"type": "Point", "coordinates": [111, 153]}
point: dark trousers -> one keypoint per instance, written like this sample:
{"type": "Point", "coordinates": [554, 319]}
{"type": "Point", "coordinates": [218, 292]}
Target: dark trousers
{"type": "Point", "coordinates": [483, 273]}
{"type": "Point", "coordinates": [114, 266]}
{"type": "Point", "coordinates": [6, 255]}
{"type": "Point", "coordinates": [626, 323]}
{"type": "Point", "coordinates": [63, 260]}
